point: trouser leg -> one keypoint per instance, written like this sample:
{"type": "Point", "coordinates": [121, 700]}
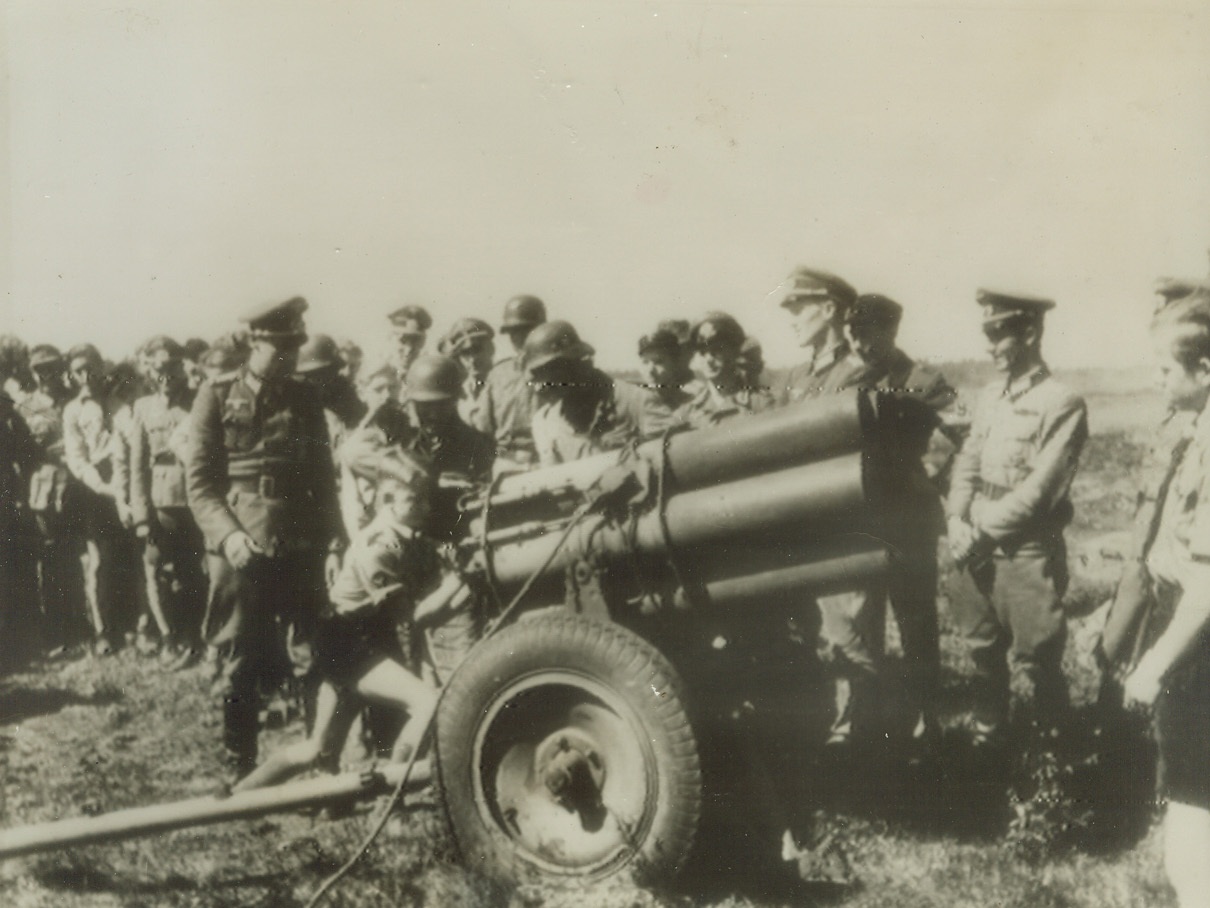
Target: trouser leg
{"type": "Point", "coordinates": [850, 638]}
{"type": "Point", "coordinates": [1029, 593]}
{"type": "Point", "coordinates": [913, 595]}
{"type": "Point", "coordinates": [986, 640]}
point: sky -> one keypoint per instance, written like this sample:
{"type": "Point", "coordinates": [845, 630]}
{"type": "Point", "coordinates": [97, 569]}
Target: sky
{"type": "Point", "coordinates": [169, 165]}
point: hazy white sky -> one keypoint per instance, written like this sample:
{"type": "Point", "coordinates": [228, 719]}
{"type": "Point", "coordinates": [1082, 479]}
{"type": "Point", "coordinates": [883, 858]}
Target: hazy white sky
{"type": "Point", "coordinates": [170, 163]}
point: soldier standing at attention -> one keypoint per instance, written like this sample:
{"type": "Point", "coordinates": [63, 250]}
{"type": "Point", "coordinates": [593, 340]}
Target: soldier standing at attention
{"type": "Point", "coordinates": [469, 342]}
{"type": "Point", "coordinates": [916, 525]}
{"type": "Point", "coordinates": [669, 384]}
{"type": "Point", "coordinates": [410, 328]}
{"type": "Point", "coordinates": [88, 449]}
{"type": "Point", "coordinates": [173, 547]}
{"type": "Point", "coordinates": [1007, 509]}
{"type": "Point", "coordinates": [817, 303]}
{"type": "Point", "coordinates": [581, 410]}
{"type": "Point", "coordinates": [262, 487]}
{"type": "Point", "coordinates": [718, 340]}
{"type": "Point", "coordinates": [506, 407]}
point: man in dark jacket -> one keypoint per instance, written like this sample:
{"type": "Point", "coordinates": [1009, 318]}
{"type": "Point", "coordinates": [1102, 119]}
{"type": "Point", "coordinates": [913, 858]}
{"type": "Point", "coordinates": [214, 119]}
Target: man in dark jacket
{"type": "Point", "coordinates": [262, 487]}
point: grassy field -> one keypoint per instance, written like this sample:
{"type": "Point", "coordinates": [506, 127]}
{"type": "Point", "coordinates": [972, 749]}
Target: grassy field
{"type": "Point", "coordinates": [97, 735]}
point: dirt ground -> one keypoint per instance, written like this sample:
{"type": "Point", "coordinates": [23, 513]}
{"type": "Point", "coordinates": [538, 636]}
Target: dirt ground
{"type": "Point", "coordinates": [91, 736]}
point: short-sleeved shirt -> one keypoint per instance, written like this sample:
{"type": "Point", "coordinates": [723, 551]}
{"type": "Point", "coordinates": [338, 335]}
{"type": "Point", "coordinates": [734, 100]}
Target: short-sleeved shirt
{"type": "Point", "coordinates": [383, 554]}
{"type": "Point", "coordinates": [1182, 537]}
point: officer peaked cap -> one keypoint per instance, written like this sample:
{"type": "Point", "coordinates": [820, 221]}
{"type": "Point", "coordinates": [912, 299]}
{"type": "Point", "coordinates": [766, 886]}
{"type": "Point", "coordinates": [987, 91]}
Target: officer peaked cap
{"type": "Point", "coordinates": [270, 320]}
{"type": "Point", "coordinates": [463, 334]}
{"type": "Point", "coordinates": [1000, 307]}
{"type": "Point", "coordinates": [810, 285]}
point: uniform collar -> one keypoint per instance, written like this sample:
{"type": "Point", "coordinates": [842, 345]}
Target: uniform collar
{"type": "Point", "coordinates": [827, 357]}
{"type": "Point", "coordinates": [1015, 388]}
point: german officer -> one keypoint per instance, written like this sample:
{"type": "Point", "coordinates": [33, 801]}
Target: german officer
{"type": "Point", "coordinates": [262, 487]}
{"type": "Point", "coordinates": [1007, 509]}
{"type": "Point", "coordinates": [817, 302]}
{"type": "Point", "coordinates": [506, 407]}
{"type": "Point", "coordinates": [173, 548]}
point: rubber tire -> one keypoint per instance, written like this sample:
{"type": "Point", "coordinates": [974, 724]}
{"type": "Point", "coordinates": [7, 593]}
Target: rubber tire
{"type": "Point", "coordinates": [647, 686]}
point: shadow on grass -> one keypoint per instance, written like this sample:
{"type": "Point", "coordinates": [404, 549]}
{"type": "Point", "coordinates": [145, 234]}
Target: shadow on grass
{"type": "Point", "coordinates": [1091, 791]}
{"type": "Point", "coordinates": [18, 704]}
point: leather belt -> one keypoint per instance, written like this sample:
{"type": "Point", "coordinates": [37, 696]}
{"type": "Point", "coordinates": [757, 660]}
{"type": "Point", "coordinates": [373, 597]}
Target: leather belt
{"type": "Point", "coordinates": [268, 486]}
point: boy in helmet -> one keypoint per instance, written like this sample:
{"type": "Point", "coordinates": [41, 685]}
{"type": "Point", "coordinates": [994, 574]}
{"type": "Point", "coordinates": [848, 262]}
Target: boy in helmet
{"type": "Point", "coordinates": [581, 410]}
{"type": "Point", "coordinates": [718, 341]}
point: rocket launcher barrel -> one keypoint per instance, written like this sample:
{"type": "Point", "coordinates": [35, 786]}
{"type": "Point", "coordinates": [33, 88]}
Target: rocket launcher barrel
{"type": "Point", "coordinates": [816, 478]}
{"type": "Point", "coordinates": [734, 449]}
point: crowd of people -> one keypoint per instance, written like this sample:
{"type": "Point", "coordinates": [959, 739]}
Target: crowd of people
{"type": "Point", "coordinates": [261, 497]}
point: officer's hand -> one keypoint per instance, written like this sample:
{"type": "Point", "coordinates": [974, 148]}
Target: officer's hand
{"type": "Point", "coordinates": [241, 549]}
{"type": "Point", "coordinates": [1143, 684]}
{"type": "Point", "coordinates": [331, 569]}
{"type": "Point", "coordinates": [142, 531]}
{"type": "Point", "coordinates": [961, 536]}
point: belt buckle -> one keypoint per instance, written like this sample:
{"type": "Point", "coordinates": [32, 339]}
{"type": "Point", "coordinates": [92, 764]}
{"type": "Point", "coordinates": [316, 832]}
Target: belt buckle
{"type": "Point", "coordinates": [267, 487]}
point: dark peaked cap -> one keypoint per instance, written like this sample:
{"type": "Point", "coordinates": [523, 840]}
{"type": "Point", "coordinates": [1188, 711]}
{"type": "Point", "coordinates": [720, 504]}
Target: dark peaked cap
{"type": "Point", "coordinates": [811, 285]}
{"type": "Point", "coordinates": [275, 320]}
{"type": "Point", "coordinates": [1000, 307]}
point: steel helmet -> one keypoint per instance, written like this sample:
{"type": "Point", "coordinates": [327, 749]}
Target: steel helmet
{"type": "Point", "coordinates": [319, 352]}
{"type": "Point", "coordinates": [434, 377]}
{"type": "Point", "coordinates": [551, 341]}
{"type": "Point", "coordinates": [717, 328]}
{"type": "Point", "coordinates": [523, 312]}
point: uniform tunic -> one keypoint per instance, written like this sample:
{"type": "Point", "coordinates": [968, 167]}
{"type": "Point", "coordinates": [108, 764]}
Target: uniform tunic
{"type": "Point", "coordinates": [173, 555]}
{"type": "Point", "coordinates": [505, 410]}
{"type": "Point", "coordinates": [258, 460]}
{"type": "Point", "coordinates": [1011, 482]}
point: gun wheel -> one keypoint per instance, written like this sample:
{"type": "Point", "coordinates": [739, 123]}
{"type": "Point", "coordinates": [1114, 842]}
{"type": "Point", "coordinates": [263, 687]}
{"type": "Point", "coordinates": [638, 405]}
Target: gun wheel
{"type": "Point", "coordinates": [564, 751]}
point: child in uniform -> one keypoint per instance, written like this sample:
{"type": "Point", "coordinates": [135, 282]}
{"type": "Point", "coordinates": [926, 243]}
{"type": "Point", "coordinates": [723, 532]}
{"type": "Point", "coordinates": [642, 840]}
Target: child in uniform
{"type": "Point", "coordinates": [389, 569]}
{"type": "Point", "coordinates": [1174, 672]}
